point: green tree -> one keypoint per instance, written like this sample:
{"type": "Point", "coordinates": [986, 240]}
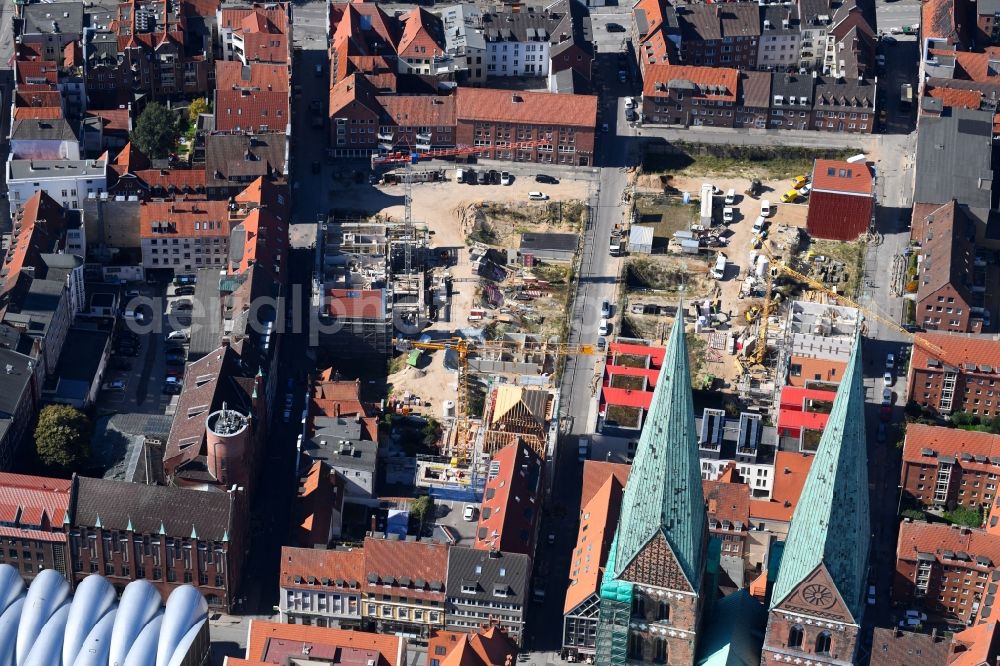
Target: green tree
{"type": "Point", "coordinates": [963, 516]}
{"type": "Point", "coordinates": [156, 131]}
{"type": "Point", "coordinates": [196, 108]}
{"type": "Point", "coordinates": [62, 437]}
{"type": "Point", "coordinates": [422, 508]}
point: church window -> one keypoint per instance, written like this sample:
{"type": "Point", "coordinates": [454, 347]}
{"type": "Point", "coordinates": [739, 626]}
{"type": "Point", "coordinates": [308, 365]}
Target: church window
{"type": "Point", "coordinates": [823, 643]}
{"type": "Point", "coordinates": [795, 637]}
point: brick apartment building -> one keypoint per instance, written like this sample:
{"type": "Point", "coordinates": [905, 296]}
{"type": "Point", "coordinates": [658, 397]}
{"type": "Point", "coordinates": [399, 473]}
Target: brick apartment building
{"type": "Point", "coordinates": [184, 235]}
{"type": "Point", "coordinates": [728, 504]}
{"type": "Point", "coordinates": [33, 510]}
{"type": "Point", "coordinates": [169, 536]}
{"type": "Point", "coordinates": [961, 373]}
{"type": "Point", "coordinates": [362, 121]}
{"type": "Point", "coordinates": [946, 570]}
{"type": "Point", "coordinates": [945, 467]}
{"type": "Point", "coordinates": [946, 289]}
{"type": "Point", "coordinates": [715, 35]}
{"type": "Point", "coordinates": [684, 95]}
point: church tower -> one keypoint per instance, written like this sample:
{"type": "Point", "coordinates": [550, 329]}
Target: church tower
{"type": "Point", "coordinates": [818, 597]}
{"type": "Point", "coordinates": [654, 583]}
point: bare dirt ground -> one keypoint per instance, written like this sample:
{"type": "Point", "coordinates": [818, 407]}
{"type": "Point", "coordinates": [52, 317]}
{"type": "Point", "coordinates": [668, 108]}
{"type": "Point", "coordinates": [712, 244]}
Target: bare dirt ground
{"type": "Point", "coordinates": [444, 208]}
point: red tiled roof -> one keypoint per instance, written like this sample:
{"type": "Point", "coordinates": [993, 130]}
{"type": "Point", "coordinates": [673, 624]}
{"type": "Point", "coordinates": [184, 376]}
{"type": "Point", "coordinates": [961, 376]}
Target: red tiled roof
{"type": "Point", "coordinates": [949, 442]}
{"type": "Point", "coordinates": [937, 20]}
{"type": "Point", "coordinates": [842, 177]}
{"type": "Point", "coordinates": [250, 110]}
{"type": "Point", "coordinates": [115, 120]}
{"type": "Point", "coordinates": [38, 112]}
{"type": "Point", "coordinates": [488, 647]}
{"type": "Point", "coordinates": [185, 218]}
{"type": "Point", "coordinates": [34, 504]}
{"type": "Point", "coordinates": [320, 494]}
{"type": "Point", "coordinates": [953, 97]}
{"type": "Point", "coordinates": [355, 303]}
{"type": "Point", "coordinates": [42, 227]}
{"type": "Point", "coordinates": [790, 470]}
{"type": "Point", "coordinates": [44, 97]}
{"type": "Point", "coordinates": [36, 70]}
{"type": "Point", "coordinates": [655, 354]}
{"type": "Point", "coordinates": [417, 39]}
{"type": "Point", "coordinates": [598, 522]}
{"type": "Point", "coordinates": [511, 504]}
{"type": "Point", "coordinates": [343, 568]}
{"type": "Point", "coordinates": [727, 502]}
{"type": "Point", "coordinates": [959, 350]}
{"type": "Point", "coordinates": [265, 239]}
{"type": "Point", "coordinates": [419, 110]}
{"type": "Point", "coordinates": [230, 74]}
{"type": "Point", "coordinates": [173, 180]}
{"type": "Point", "coordinates": [530, 108]}
{"type": "Point", "coordinates": [972, 66]}
{"type": "Point", "coordinates": [274, 643]}
{"type": "Point", "coordinates": [654, 47]}
{"type": "Point", "coordinates": [936, 538]}
{"type": "Point", "coordinates": [975, 646]}
{"type": "Point", "coordinates": [397, 562]}
{"type": "Point", "coordinates": [596, 472]}
{"type": "Point", "coordinates": [703, 77]}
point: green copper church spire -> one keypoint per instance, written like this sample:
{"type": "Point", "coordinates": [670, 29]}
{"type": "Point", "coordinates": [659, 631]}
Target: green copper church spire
{"type": "Point", "coordinates": [831, 524]}
{"type": "Point", "coordinates": [663, 494]}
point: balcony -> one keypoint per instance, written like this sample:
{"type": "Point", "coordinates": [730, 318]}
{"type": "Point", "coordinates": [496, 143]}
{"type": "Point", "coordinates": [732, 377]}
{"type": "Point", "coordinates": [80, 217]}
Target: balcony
{"type": "Point", "coordinates": [385, 136]}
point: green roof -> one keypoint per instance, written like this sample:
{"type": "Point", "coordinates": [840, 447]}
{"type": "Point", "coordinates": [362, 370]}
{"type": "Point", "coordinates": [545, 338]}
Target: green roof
{"type": "Point", "coordinates": [733, 634]}
{"type": "Point", "coordinates": [664, 493]}
{"type": "Point", "coordinates": [831, 525]}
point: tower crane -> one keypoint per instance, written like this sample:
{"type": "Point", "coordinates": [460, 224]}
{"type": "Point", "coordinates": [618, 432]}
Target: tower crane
{"type": "Point", "coordinates": [757, 358]}
{"type": "Point", "coordinates": [410, 157]}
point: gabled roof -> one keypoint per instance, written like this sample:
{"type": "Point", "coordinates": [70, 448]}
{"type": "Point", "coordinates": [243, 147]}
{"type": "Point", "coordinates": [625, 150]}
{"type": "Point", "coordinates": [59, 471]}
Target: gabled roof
{"type": "Point", "coordinates": [337, 568]}
{"type": "Point", "coordinates": [43, 224]}
{"type": "Point", "coordinates": [970, 353]}
{"type": "Point", "coordinates": [274, 643]}
{"type": "Point", "coordinates": [598, 521]}
{"type": "Point", "coordinates": [924, 444]}
{"type": "Point", "coordinates": [489, 647]}
{"type": "Point", "coordinates": [33, 503]}
{"type": "Point", "coordinates": [511, 506]}
{"type": "Point", "coordinates": [423, 35]}
{"type": "Point", "coordinates": [976, 646]}
{"type": "Point", "coordinates": [710, 83]}
{"type": "Point", "coordinates": [663, 496]}
{"type": "Point", "coordinates": [490, 105]}
{"type": "Point", "coordinates": [949, 252]}
{"type": "Point", "coordinates": [116, 504]}
{"type": "Point", "coordinates": [842, 177]}
{"type": "Point", "coordinates": [830, 526]}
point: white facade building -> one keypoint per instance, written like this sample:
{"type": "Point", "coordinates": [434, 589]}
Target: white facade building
{"type": "Point", "coordinates": [69, 182]}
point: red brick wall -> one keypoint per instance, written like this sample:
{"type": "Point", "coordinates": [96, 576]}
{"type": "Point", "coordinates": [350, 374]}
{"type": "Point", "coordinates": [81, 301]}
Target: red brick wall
{"type": "Point", "coordinates": [815, 369]}
{"type": "Point", "coordinates": [843, 642]}
{"type": "Point", "coordinates": [928, 308]}
{"type": "Point", "coordinates": [966, 578]}
{"type": "Point", "coordinates": [468, 132]}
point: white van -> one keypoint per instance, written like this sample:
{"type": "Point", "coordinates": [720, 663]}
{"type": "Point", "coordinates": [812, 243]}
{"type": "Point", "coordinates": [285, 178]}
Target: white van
{"type": "Point", "coordinates": [758, 225]}
{"type": "Point", "coordinates": [459, 175]}
{"type": "Point", "coordinates": [604, 328]}
{"type": "Point", "coordinates": [730, 197]}
{"type": "Point", "coordinates": [719, 271]}
{"type": "Point", "coordinates": [538, 196]}
{"type": "Point", "coordinates": [765, 208]}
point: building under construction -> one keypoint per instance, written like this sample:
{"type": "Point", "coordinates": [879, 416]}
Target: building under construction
{"type": "Point", "coordinates": [369, 281]}
{"type": "Point", "coordinates": [816, 344]}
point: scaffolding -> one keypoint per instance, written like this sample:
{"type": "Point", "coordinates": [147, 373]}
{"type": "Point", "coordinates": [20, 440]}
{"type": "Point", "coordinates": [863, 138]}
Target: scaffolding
{"type": "Point", "coordinates": [614, 616]}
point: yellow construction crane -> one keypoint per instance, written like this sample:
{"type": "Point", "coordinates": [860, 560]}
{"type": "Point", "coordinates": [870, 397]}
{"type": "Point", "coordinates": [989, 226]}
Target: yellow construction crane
{"type": "Point", "coordinates": [758, 354]}
{"type": "Point", "coordinates": [464, 347]}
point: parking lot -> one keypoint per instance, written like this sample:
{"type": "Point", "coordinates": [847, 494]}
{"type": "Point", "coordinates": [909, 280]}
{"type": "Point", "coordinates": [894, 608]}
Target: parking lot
{"type": "Point", "coordinates": [146, 368]}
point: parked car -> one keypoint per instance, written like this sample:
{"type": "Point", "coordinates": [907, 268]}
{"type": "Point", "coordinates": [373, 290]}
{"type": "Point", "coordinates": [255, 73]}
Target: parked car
{"type": "Point", "coordinates": [791, 196]}
{"type": "Point", "coordinates": [806, 189]}
{"type": "Point", "coordinates": [177, 335]}
{"type": "Point", "coordinates": [799, 181]}
{"type": "Point", "coordinates": [116, 385]}
{"type": "Point", "coordinates": [871, 595]}
{"type": "Point", "coordinates": [765, 208]}
{"type": "Point", "coordinates": [538, 196]}
{"type": "Point", "coordinates": [494, 177]}
{"type": "Point", "coordinates": [759, 225]}
{"type": "Point", "coordinates": [505, 178]}
{"type": "Point", "coordinates": [545, 178]}
{"type": "Point", "coordinates": [885, 413]}
{"type": "Point", "coordinates": [470, 176]}
{"type": "Point", "coordinates": [888, 379]}
{"type": "Point", "coordinates": [604, 327]}
{"type": "Point", "coordinates": [483, 178]}
{"type": "Point", "coordinates": [890, 362]}
{"type": "Point", "coordinates": [469, 513]}
{"type": "Point", "coordinates": [616, 27]}
{"type": "Point", "coordinates": [605, 308]}
{"type": "Point", "coordinates": [186, 290]}
{"type": "Point", "coordinates": [728, 214]}
{"type": "Point", "coordinates": [880, 434]}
